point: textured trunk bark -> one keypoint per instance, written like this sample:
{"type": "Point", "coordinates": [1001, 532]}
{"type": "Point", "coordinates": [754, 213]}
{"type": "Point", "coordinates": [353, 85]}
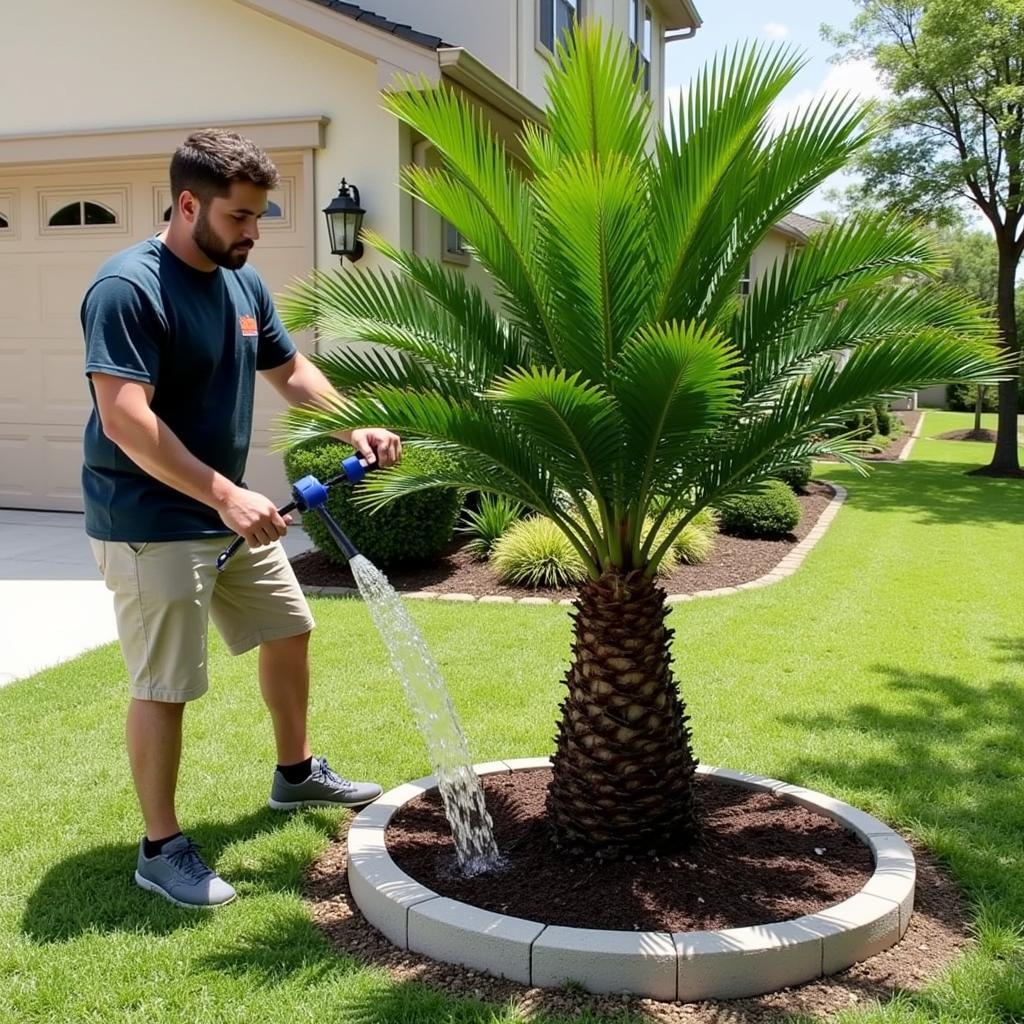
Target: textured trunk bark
{"type": "Point", "coordinates": [623, 768]}
{"type": "Point", "coordinates": [1005, 461]}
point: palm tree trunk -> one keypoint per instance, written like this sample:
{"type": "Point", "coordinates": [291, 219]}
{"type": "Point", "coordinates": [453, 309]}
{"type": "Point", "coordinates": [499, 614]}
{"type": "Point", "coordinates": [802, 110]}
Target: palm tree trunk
{"type": "Point", "coordinates": [623, 769]}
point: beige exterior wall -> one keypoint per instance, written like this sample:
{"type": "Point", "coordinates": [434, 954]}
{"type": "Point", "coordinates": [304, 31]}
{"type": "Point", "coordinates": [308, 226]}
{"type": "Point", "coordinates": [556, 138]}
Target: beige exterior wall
{"type": "Point", "coordinates": [487, 28]}
{"type": "Point", "coordinates": [111, 64]}
{"type": "Point", "coordinates": [773, 248]}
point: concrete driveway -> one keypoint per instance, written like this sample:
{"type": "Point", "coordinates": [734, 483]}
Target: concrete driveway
{"type": "Point", "coordinates": [53, 604]}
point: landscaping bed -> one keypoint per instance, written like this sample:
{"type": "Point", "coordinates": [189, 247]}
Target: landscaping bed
{"type": "Point", "coordinates": [758, 860]}
{"type": "Point", "coordinates": [734, 560]}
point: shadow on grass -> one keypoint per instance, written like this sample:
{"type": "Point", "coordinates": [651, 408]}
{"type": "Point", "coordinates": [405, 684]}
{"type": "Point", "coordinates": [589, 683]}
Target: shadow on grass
{"type": "Point", "coordinates": [94, 890]}
{"type": "Point", "coordinates": [939, 492]}
{"type": "Point", "coordinates": [956, 768]}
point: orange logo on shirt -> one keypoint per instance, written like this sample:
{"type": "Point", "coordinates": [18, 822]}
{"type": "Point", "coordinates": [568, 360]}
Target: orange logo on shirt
{"type": "Point", "coordinates": [250, 329]}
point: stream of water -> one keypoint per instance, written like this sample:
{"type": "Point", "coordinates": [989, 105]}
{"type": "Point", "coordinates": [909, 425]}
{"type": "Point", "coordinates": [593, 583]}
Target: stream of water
{"type": "Point", "coordinates": [461, 792]}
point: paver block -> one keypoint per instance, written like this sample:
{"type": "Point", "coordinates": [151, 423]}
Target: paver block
{"type": "Point", "coordinates": [679, 598]}
{"type": "Point", "coordinates": [739, 962]}
{"type": "Point", "coordinates": [423, 595]}
{"type": "Point", "coordinates": [382, 891]}
{"type": "Point", "coordinates": [748, 780]}
{"type": "Point", "coordinates": [863, 926]}
{"type": "Point", "coordinates": [535, 600]}
{"type": "Point", "coordinates": [459, 933]}
{"type": "Point", "coordinates": [606, 961]}
{"type": "Point", "coordinates": [457, 597]}
{"type": "Point", "coordinates": [528, 762]}
{"type": "Point", "coordinates": [860, 822]}
{"type": "Point", "coordinates": [497, 599]}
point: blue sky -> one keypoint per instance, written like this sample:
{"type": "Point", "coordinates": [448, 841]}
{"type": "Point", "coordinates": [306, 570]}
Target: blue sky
{"type": "Point", "coordinates": [795, 22]}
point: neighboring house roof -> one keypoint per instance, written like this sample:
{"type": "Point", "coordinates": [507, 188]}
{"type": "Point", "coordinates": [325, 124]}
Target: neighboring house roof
{"type": "Point", "coordinates": [797, 226]}
{"type": "Point", "coordinates": [406, 32]}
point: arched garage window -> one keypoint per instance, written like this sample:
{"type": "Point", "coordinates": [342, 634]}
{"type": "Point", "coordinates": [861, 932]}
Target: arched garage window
{"type": "Point", "coordinates": [82, 212]}
{"type": "Point", "coordinates": [273, 210]}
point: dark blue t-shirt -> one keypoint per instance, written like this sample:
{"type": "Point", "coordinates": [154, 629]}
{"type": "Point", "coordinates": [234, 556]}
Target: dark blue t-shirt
{"type": "Point", "coordinates": [198, 337]}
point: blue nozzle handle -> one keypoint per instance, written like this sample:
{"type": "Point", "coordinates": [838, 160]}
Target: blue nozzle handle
{"type": "Point", "coordinates": [309, 494]}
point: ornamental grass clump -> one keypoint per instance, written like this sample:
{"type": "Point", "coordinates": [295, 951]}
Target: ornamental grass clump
{"type": "Point", "coordinates": [616, 363]}
{"type": "Point", "coordinates": [488, 523]}
{"type": "Point", "coordinates": [534, 552]}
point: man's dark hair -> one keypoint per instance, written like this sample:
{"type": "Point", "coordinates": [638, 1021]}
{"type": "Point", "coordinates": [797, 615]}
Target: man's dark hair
{"type": "Point", "coordinates": [210, 160]}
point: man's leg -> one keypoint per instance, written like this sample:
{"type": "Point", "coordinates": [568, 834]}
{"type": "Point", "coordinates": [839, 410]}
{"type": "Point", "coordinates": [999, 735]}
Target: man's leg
{"type": "Point", "coordinates": [284, 683]}
{"type": "Point", "coordinates": [154, 751]}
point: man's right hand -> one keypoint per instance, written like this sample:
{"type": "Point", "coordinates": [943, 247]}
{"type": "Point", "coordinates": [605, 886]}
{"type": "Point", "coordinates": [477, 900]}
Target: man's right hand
{"type": "Point", "coordinates": [253, 516]}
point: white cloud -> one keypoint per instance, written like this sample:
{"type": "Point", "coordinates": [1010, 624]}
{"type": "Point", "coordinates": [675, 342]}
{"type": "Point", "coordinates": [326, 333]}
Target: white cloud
{"type": "Point", "coordinates": [775, 30]}
{"type": "Point", "coordinates": [853, 78]}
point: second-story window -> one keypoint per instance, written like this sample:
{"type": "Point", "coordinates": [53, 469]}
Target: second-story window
{"type": "Point", "coordinates": [641, 35]}
{"type": "Point", "coordinates": [555, 18]}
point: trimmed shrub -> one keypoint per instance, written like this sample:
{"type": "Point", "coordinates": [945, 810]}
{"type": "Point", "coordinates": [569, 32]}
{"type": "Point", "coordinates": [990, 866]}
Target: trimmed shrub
{"type": "Point", "coordinates": [414, 528]}
{"type": "Point", "coordinates": [488, 522]}
{"type": "Point", "coordinates": [796, 477]}
{"type": "Point", "coordinates": [770, 514]}
{"type": "Point", "coordinates": [884, 418]}
{"type": "Point", "coordinates": [535, 553]}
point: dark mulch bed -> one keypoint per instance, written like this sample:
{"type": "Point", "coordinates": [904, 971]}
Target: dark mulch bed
{"type": "Point", "coordinates": [894, 449]}
{"type": "Point", "coordinates": [937, 934]}
{"type": "Point", "coordinates": [733, 561]}
{"type": "Point", "coordinates": [758, 860]}
{"type": "Point", "coordinates": [984, 435]}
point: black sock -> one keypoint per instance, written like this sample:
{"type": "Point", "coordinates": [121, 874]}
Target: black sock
{"type": "Point", "coordinates": [294, 773]}
{"type": "Point", "coordinates": [151, 847]}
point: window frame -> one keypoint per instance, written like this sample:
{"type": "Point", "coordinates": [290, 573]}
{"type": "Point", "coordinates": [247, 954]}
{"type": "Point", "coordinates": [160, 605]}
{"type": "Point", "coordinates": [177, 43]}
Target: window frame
{"type": "Point", "coordinates": [460, 256]}
{"type": "Point", "coordinates": [539, 18]}
{"type": "Point", "coordinates": [641, 38]}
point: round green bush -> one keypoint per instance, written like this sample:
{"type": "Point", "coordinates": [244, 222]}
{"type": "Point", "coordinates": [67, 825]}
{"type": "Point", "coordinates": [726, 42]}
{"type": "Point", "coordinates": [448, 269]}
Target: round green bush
{"type": "Point", "coordinates": [768, 515]}
{"type": "Point", "coordinates": [884, 417]}
{"type": "Point", "coordinates": [536, 553]}
{"type": "Point", "coordinates": [414, 528]}
{"type": "Point", "coordinates": [796, 477]}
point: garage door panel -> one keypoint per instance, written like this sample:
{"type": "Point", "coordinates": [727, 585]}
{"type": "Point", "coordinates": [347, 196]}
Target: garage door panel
{"type": "Point", "coordinates": [44, 273]}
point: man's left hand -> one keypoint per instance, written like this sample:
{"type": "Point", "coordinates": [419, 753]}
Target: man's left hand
{"type": "Point", "coordinates": [377, 445]}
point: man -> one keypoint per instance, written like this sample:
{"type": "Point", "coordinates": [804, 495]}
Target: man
{"type": "Point", "coordinates": [175, 330]}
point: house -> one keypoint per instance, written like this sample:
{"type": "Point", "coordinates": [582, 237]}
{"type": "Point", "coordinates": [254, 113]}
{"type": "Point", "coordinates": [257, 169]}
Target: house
{"type": "Point", "coordinates": [98, 95]}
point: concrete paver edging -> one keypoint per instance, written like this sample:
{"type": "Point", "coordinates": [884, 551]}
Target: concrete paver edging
{"type": "Point", "coordinates": [726, 964]}
{"type": "Point", "coordinates": [786, 567]}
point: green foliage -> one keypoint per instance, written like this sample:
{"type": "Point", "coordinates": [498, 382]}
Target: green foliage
{"type": "Point", "coordinates": [964, 398]}
{"type": "Point", "coordinates": [488, 522]}
{"type": "Point", "coordinates": [617, 365]}
{"type": "Point", "coordinates": [534, 552]}
{"type": "Point", "coordinates": [695, 542]}
{"type": "Point", "coordinates": [796, 477]}
{"type": "Point", "coordinates": [415, 528]}
{"type": "Point", "coordinates": [769, 514]}
{"type": "Point", "coordinates": [883, 418]}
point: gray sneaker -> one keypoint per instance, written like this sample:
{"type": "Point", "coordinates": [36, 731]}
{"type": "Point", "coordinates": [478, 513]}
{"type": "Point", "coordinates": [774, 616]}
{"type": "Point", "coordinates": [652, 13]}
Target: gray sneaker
{"type": "Point", "coordinates": [178, 874]}
{"type": "Point", "coordinates": [323, 788]}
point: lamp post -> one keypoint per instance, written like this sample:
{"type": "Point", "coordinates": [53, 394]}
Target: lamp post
{"type": "Point", "coordinates": [344, 220]}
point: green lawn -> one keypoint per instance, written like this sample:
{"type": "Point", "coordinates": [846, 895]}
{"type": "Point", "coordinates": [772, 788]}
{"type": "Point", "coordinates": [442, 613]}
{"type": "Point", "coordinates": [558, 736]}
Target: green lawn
{"type": "Point", "coordinates": [889, 671]}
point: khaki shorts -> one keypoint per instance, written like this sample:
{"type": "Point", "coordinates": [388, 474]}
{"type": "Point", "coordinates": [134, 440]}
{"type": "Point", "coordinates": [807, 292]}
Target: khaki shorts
{"type": "Point", "coordinates": [165, 593]}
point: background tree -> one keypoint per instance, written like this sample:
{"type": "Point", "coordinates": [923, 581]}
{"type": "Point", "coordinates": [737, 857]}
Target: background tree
{"type": "Point", "coordinates": [955, 71]}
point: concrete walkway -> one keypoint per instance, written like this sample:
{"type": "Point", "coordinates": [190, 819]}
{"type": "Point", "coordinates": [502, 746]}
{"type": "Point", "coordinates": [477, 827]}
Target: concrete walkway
{"type": "Point", "coordinates": [53, 604]}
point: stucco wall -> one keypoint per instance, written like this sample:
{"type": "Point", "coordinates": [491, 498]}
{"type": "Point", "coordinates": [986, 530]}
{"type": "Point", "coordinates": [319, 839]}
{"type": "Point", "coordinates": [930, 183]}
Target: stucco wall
{"type": "Point", "coordinates": [110, 64]}
{"type": "Point", "coordinates": [771, 249]}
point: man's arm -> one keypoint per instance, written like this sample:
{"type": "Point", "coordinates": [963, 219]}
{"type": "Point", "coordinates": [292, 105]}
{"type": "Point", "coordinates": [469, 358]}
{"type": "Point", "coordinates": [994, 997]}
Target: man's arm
{"type": "Point", "coordinates": [300, 382]}
{"type": "Point", "coordinates": [128, 421]}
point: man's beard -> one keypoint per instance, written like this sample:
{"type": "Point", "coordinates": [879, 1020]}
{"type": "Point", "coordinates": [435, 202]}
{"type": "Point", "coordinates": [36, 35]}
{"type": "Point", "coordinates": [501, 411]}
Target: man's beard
{"type": "Point", "coordinates": [211, 246]}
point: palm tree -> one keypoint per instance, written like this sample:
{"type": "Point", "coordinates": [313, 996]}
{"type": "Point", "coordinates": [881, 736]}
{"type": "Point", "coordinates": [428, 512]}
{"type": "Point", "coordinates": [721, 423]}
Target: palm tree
{"type": "Point", "coordinates": [619, 385]}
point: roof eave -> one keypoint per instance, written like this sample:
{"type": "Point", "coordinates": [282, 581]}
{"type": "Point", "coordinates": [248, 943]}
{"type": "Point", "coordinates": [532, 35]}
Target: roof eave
{"type": "Point", "coordinates": [462, 67]}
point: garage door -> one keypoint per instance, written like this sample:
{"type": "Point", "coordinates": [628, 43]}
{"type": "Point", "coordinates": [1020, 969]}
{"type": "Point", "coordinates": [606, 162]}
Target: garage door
{"type": "Point", "coordinates": [57, 225]}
